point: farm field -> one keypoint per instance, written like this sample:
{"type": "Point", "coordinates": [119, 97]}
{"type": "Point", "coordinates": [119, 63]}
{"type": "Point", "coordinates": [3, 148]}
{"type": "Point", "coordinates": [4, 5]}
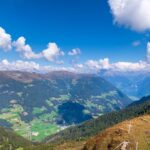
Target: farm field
{"type": "Point", "coordinates": [36, 130]}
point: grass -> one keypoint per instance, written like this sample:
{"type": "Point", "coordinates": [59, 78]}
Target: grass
{"type": "Point", "coordinates": [48, 117]}
{"type": "Point", "coordinates": [40, 125]}
{"type": "Point", "coordinates": [139, 132]}
{"type": "Point", "coordinates": [105, 95]}
{"type": "Point", "coordinates": [37, 110]}
{"type": "Point", "coordinates": [43, 129]}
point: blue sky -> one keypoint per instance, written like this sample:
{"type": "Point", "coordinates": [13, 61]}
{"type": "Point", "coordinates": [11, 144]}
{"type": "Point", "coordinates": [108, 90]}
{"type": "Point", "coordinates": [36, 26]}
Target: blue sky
{"type": "Point", "coordinates": [87, 25]}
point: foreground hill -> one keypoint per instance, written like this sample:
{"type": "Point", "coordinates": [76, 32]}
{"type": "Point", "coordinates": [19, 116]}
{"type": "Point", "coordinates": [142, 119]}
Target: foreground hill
{"type": "Point", "coordinates": [43, 104]}
{"type": "Point", "coordinates": [10, 141]}
{"type": "Point", "coordinates": [131, 134]}
{"type": "Point", "coordinates": [94, 126]}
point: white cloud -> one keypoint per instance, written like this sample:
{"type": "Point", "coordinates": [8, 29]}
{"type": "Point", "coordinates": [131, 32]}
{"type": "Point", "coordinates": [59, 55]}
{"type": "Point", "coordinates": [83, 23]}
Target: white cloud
{"type": "Point", "coordinates": [74, 52]}
{"type": "Point", "coordinates": [129, 66]}
{"type": "Point", "coordinates": [52, 52]}
{"type": "Point", "coordinates": [90, 66]}
{"type": "Point", "coordinates": [134, 14]}
{"type": "Point", "coordinates": [118, 67]}
{"type": "Point", "coordinates": [25, 49]}
{"type": "Point", "coordinates": [79, 66]}
{"type": "Point", "coordinates": [19, 65]}
{"type": "Point", "coordinates": [98, 65]}
{"type": "Point", "coordinates": [148, 52]}
{"type": "Point", "coordinates": [5, 40]}
{"type": "Point", "coordinates": [30, 66]}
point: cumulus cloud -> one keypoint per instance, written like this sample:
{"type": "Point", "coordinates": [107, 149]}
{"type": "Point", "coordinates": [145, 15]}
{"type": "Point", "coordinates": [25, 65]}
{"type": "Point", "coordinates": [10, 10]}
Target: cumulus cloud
{"type": "Point", "coordinates": [97, 65]}
{"type": "Point", "coordinates": [134, 14]}
{"type": "Point", "coordinates": [141, 66]}
{"type": "Point", "coordinates": [25, 49]}
{"type": "Point", "coordinates": [118, 67]}
{"type": "Point", "coordinates": [129, 66]}
{"type": "Point", "coordinates": [52, 52]}
{"type": "Point", "coordinates": [5, 40]}
{"type": "Point", "coordinates": [30, 66]}
{"type": "Point", "coordinates": [19, 65]}
{"type": "Point", "coordinates": [74, 52]}
{"type": "Point", "coordinates": [90, 66]}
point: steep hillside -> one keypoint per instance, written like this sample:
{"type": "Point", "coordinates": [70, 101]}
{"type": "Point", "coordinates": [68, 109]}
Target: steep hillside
{"type": "Point", "coordinates": [10, 141]}
{"type": "Point", "coordinates": [94, 126]}
{"type": "Point", "coordinates": [43, 104]}
{"type": "Point", "coordinates": [131, 134]}
{"type": "Point", "coordinates": [68, 145]}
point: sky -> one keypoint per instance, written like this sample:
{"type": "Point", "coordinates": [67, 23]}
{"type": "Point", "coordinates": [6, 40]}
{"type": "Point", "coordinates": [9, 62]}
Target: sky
{"type": "Point", "coordinates": [84, 36]}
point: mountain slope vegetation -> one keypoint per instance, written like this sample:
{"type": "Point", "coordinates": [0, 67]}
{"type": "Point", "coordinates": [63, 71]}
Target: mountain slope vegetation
{"type": "Point", "coordinates": [40, 102]}
{"type": "Point", "coordinates": [9, 140]}
{"type": "Point", "coordinates": [131, 134]}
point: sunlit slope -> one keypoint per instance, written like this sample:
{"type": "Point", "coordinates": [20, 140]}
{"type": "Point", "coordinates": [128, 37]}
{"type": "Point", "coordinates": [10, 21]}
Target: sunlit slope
{"type": "Point", "coordinates": [127, 135]}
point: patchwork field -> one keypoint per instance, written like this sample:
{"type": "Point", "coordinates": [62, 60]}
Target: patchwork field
{"type": "Point", "coordinates": [36, 130]}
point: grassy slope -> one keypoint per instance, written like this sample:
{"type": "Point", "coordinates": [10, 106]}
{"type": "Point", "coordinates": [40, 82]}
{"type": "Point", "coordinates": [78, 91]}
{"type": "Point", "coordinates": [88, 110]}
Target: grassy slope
{"type": "Point", "coordinates": [9, 139]}
{"type": "Point", "coordinates": [112, 137]}
{"type": "Point", "coordinates": [71, 145]}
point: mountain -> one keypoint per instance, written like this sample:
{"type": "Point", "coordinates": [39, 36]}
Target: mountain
{"type": "Point", "coordinates": [143, 100]}
{"type": "Point", "coordinates": [9, 140]}
{"type": "Point", "coordinates": [132, 84]}
{"type": "Point", "coordinates": [43, 104]}
{"type": "Point", "coordinates": [130, 134]}
{"type": "Point", "coordinates": [94, 126]}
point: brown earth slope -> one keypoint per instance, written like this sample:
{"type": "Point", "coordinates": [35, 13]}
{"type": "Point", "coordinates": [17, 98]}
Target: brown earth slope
{"type": "Point", "coordinates": [128, 135]}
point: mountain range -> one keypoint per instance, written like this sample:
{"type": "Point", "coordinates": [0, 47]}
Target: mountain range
{"type": "Point", "coordinates": [134, 85]}
{"type": "Point", "coordinates": [44, 104]}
